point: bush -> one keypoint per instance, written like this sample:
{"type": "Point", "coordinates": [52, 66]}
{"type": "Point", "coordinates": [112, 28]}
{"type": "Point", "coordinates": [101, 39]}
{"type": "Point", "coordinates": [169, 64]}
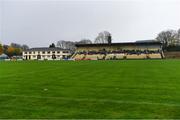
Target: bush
{"type": "Point", "coordinates": [173, 48]}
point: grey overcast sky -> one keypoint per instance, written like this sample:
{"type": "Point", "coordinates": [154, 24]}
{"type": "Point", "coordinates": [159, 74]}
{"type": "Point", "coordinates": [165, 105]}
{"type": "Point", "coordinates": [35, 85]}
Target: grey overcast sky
{"type": "Point", "coordinates": [41, 22]}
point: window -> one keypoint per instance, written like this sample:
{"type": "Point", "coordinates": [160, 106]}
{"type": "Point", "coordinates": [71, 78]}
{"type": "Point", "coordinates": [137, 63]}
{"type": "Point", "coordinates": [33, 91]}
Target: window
{"type": "Point", "coordinates": [49, 52]}
{"type": "Point", "coordinates": [63, 56]}
{"type": "Point", "coordinates": [65, 51]}
{"type": "Point", "coordinates": [33, 52]}
{"type": "Point", "coordinates": [25, 53]}
{"type": "Point", "coordinates": [53, 51]}
{"type": "Point", "coordinates": [29, 52]}
{"type": "Point", "coordinates": [43, 52]}
{"type": "Point", "coordinates": [58, 51]}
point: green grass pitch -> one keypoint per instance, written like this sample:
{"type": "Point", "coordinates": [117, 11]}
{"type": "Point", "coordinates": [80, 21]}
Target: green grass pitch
{"type": "Point", "coordinates": [90, 89]}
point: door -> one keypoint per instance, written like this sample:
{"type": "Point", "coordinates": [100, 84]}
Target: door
{"type": "Point", "coordinates": [53, 56]}
{"type": "Point", "coordinates": [39, 57]}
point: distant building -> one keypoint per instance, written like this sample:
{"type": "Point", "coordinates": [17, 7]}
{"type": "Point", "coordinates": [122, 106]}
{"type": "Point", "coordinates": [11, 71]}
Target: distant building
{"type": "Point", "coordinates": [46, 54]}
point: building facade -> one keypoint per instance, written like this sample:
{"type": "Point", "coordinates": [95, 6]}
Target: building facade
{"type": "Point", "coordinates": [46, 54]}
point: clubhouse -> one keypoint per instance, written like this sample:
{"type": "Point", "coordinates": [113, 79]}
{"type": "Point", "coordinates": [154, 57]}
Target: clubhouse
{"type": "Point", "coordinates": [46, 53]}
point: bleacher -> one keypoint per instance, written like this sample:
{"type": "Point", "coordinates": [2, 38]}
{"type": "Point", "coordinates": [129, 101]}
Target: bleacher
{"type": "Point", "coordinates": [109, 56]}
{"type": "Point", "coordinates": [155, 56]}
{"type": "Point", "coordinates": [119, 56]}
{"type": "Point", "coordinates": [116, 56]}
{"type": "Point", "coordinates": [136, 56]}
{"type": "Point", "coordinates": [117, 51]}
{"type": "Point", "coordinates": [94, 57]}
{"type": "Point", "coordinates": [78, 56]}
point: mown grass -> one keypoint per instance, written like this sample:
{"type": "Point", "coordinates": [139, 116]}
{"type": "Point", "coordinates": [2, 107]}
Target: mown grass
{"type": "Point", "coordinates": [90, 89]}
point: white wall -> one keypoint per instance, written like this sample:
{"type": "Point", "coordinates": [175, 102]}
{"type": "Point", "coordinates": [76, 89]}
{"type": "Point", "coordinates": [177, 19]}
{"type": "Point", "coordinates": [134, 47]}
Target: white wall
{"type": "Point", "coordinates": [45, 56]}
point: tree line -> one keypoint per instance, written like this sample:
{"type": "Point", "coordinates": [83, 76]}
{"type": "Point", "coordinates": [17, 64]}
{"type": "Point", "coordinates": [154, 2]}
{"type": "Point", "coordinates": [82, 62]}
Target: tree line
{"type": "Point", "coordinates": [13, 49]}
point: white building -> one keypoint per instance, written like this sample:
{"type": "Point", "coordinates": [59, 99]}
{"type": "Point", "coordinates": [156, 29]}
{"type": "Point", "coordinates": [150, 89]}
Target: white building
{"type": "Point", "coordinates": [46, 54]}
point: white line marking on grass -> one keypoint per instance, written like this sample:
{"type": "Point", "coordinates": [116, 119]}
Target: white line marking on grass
{"type": "Point", "coordinates": [94, 100]}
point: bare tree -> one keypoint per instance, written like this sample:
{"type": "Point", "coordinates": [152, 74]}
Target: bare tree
{"type": "Point", "coordinates": [66, 45]}
{"type": "Point", "coordinates": [167, 38]}
{"type": "Point", "coordinates": [15, 45]}
{"type": "Point", "coordinates": [85, 41]}
{"type": "Point", "coordinates": [25, 47]}
{"type": "Point", "coordinates": [103, 37]}
{"type": "Point", "coordinates": [61, 44]}
{"type": "Point", "coordinates": [178, 34]}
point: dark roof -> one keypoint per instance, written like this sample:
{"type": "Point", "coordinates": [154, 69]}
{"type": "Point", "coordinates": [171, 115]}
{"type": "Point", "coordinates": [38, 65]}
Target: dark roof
{"type": "Point", "coordinates": [119, 44]}
{"type": "Point", "coordinates": [144, 41]}
{"type": "Point", "coordinates": [44, 49]}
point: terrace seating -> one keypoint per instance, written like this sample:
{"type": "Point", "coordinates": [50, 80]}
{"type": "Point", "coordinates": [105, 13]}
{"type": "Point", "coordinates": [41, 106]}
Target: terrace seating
{"type": "Point", "coordinates": [155, 56]}
{"type": "Point", "coordinates": [94, 56]}
{"type": "Point", "coordinates": [136, 56]}
{"type": "Point", "coordinates": [114, 56]}
{"type": "Point", "coordinates": [109, 56]}
{"type": "Point", "coordinates": [118, 54]}
{"type": "Point", "coordinates": [79, 56]}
